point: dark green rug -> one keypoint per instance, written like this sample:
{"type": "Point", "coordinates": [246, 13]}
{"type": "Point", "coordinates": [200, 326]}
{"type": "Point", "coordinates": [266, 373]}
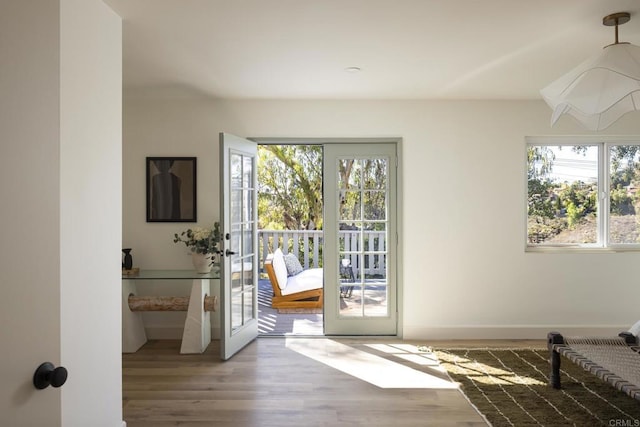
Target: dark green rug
{"type": "Point", "coordinates": [509, 387]}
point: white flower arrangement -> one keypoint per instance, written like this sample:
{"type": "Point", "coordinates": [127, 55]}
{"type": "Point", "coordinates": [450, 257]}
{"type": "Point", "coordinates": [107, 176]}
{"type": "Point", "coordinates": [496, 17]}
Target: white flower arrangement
{"type": "Point", "coordinates": [200, 240]}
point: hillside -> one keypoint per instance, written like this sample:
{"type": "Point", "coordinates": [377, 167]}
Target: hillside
{"type": "Point", "coordinates": [585, 232]}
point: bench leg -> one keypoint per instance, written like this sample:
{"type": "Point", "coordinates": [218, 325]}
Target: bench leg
{"type": "Point", "coordinates": [554, 338]}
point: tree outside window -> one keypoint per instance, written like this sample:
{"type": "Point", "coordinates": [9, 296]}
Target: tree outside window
{"type": "Point", "coordinates": [563, 183]}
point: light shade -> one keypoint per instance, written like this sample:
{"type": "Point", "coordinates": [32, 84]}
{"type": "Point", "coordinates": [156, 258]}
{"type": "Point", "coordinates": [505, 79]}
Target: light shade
{"type": "Point", "coordinates": [600, 90]}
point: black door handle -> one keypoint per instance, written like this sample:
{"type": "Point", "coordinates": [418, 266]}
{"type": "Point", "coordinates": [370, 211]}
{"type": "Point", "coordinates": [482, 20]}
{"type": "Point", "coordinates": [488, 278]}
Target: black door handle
{"type": "Point", "coordinates": [228, 252]}
{"type": "Point", "coordinates": [47, 375]}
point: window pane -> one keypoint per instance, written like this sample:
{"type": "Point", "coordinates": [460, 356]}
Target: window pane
{"type": "Point", "coordinates": [236, 239]}
{"type": "Point", "coordinates": [247, 172]}
{"type": "Point", "coordinates": [236, 310]}
{"type": "Point", "coordinates": [375, 299]}
{"type": "Point", "coordinates": [375, 173]}
{"type": "Point", "coordinates": [235, 163]}
{"type": "Point", "coordinates": [349, 173]}
{"type": "Point", "coordinates": [349, 237]}
{"type": "Point", "coordinates": [346, 268]}
{"type": "Point", "coordinates": [247, 206]}
{"type": "Point", "coordinates": [624, 180]}
{"type": "Point", "coordinates": [236, 206]}
{"type": "Point", "coordinates": [236, 274]}
{"type": "Point", "coordinates": [247, 240]}
{"type": "Point", "coordinates": [375, 205]}
{"type": "Point", "coordinates": [248, 308]}
{"type": "Point", "coordinates": [350, 205]}
{"type": "Point", "coordinates": [562, 203]}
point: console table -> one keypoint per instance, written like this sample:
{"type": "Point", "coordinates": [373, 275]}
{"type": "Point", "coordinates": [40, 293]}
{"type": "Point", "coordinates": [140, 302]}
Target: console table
{"type": "Point", "coordinates": [197, 328]}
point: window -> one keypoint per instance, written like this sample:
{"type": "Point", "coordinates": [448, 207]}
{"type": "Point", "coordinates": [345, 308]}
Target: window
{"type": "Point", "coordinates": [583, 194]}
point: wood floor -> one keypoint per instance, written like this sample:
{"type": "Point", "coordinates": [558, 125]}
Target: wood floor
{"type": "Point", "coordinates": [296, 382]}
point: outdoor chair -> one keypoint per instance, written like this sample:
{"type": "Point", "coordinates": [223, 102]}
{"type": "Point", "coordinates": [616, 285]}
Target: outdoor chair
{"type": "Point", "coordinates": [302, 290]}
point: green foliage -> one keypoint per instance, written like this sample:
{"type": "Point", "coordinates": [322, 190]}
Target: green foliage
{"type": "Point", "coordinates": [624, 153]}
{"type": "Point", "coordinates": [574, 213]}
{"type": "Point", "coordinates": [623, 176]}
{"type": "Point", "coordinates": [356, 175]}
{"type": "Point", "coordinates": [539, 162]}
{"type": "Point", "coordinates": [541, 198]}
{"type": "Point", "coordinates": [579, 199]}
{"type": "Point", "coordinates": [290, 187]}
{"type": "Point", "coordinates": [621, 202]}
{"type": "Point", "coordinates": [200, 240]}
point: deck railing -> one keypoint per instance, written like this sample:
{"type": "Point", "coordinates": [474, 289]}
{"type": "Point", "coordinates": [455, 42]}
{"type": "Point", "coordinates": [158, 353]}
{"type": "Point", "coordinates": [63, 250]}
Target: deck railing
{"type": "Point", "coordinates": [307, 245]}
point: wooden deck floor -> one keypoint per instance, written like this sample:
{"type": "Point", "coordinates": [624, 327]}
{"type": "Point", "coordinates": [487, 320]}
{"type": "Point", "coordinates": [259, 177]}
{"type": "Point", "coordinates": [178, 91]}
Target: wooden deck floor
{"type": "Point", "coordinates": [294, 382]}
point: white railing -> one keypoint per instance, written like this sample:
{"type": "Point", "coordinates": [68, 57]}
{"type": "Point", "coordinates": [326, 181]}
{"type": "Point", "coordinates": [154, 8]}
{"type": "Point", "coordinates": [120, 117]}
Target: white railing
{"type": "Point", "coordinates": [307, 245]}
{"type": "Point", "coordinates": [375, 247]}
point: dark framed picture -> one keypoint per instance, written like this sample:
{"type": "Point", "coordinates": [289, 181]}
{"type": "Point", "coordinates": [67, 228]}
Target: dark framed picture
{"type": "Point", "coordinates": [171, 189]}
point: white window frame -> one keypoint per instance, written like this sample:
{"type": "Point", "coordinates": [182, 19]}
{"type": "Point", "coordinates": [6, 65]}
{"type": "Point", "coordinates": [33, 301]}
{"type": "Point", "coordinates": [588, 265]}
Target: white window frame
{"type": "Point", "coordinates": [604, 143]}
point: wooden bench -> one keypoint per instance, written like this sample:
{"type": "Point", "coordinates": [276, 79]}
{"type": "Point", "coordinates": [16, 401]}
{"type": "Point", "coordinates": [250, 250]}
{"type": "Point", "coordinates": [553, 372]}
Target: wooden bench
{"type": "Point", "coordinates": [614, 360]}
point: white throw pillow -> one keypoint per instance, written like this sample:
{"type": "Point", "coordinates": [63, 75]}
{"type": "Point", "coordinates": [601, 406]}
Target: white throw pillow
{"type": "Point", "coordinates": [635, 329]}
{"type": "Point", "coordinates": [293, 264]}
{"type": "Point", "coordinates": [280, 268]}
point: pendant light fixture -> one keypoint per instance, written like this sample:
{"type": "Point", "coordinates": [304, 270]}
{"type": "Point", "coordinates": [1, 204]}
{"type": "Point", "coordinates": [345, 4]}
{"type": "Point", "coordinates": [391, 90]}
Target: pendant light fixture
{"type": "Point", "coordinates": [603, 88]}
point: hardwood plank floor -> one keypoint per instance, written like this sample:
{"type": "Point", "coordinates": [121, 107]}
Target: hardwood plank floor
{"type": "Point", "coordinates": [296, 382]}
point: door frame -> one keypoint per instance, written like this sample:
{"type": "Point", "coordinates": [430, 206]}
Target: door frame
{"type": "Point", "coordinates": [399, 200]}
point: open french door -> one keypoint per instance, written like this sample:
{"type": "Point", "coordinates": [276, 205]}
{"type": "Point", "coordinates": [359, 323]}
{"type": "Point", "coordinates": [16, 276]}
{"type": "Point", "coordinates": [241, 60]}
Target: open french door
{"type": "Point", "coordinates": [239, 258]}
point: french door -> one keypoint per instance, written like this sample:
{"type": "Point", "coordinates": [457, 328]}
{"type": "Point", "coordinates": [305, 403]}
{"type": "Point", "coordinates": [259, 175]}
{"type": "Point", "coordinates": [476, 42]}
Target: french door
{"type": "Point", "coordinates": [360, 236]}
{"type": "Point", "coordinates": [239, 224]}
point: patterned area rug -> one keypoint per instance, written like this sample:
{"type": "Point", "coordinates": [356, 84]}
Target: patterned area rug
{"type": "Point", "coordinates": [509, 387]}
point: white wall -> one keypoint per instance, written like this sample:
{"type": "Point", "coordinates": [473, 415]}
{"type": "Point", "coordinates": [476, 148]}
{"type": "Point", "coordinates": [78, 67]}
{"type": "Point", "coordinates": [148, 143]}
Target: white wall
{"type": "Point", "coordinates": [189, 134]}
{"type": "Point", "coordinates": [465, 273]}
{"type": "Point", "coordinates": [60, 133]}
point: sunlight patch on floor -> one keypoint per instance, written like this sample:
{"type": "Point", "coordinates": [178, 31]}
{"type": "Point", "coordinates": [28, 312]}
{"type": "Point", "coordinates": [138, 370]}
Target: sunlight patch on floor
{"type": "Point", "coordinates": [410, 353]}
{"type": "Point", "coordinates": [483, 373]}
{"type": "Point", "coordinates": [306, 327]}
{"type": "Point", "coordinates": [368, 367]}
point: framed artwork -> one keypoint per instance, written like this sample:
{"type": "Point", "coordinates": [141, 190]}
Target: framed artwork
{"type": "Point", "coordinates": [171, 189]}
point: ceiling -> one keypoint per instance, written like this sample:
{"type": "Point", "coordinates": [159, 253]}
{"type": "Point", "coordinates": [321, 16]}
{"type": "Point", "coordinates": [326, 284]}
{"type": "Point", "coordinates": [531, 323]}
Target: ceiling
{"type": "Point", "coordinates": [406, 49]}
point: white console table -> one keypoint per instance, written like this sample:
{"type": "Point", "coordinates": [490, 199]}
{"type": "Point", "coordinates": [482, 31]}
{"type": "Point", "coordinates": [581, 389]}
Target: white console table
{"type": "Point", "coordinates": [197, 328]}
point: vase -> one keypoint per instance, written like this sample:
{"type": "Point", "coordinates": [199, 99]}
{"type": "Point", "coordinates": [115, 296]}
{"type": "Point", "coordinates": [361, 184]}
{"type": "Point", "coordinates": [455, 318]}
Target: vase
{"type": "Point", "coordinates": [201, 262]}
{"type": "Point", "coordinates": [127, 263]}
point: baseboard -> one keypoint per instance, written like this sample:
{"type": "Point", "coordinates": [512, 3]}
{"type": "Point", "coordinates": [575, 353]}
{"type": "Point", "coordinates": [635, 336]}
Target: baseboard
{"type": "Point", "coordinates": [124, 424]}
{"type": "Point", "coordinates": [520, 332]}
{"type": "Point", "coordinates": [215, 333]}
{"type": "Point", "coordinates": [172, 332]}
